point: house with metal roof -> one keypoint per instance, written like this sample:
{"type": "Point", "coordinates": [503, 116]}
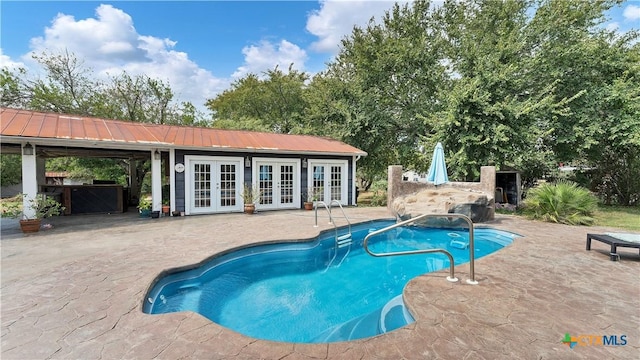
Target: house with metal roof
{"type": "Point", "coordinates": [207, 168]}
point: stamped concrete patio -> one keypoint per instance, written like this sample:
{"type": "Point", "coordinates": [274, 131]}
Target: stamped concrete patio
{"type": "Point", "coordinates": [76, 292]}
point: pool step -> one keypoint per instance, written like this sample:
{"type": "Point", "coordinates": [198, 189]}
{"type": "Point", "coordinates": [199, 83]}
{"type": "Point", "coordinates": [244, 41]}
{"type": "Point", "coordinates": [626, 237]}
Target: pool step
{"type": "Point", "coordinates": [394, 314]}
{"type": "Point", "coordinates": [344, 240]}
{"type": "Point", "coordinates": [391, 316]}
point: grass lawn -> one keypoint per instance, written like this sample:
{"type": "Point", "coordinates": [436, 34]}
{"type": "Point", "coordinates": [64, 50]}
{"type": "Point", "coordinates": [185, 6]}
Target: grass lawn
{"type": "Point", "coordinates": [623, 217]}
{"type": "Point", "coordinates": [364, 198]}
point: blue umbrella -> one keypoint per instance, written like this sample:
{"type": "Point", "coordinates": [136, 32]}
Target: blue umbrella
{"type": "Point", "coordinates": [438, 170]}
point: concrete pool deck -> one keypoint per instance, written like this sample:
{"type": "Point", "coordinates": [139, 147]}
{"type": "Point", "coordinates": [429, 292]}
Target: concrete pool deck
{"type": "Point", "coordinates": [76, 292]}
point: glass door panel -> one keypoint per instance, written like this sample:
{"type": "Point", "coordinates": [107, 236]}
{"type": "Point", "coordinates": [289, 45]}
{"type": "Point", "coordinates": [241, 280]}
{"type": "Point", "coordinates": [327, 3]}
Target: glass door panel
{"type": "Point", "coordinates": [202, 196]}
{"type": "Point", "coordinates": [317, 182]}
{"type": "Point", "coordinates": [265, 184]}
{"type": "Point", "coordinates": [227, 186]}
{"type": "Point", "coordinates": [286, 184]}
{"type": "Point", "coordinates": [336, 183]}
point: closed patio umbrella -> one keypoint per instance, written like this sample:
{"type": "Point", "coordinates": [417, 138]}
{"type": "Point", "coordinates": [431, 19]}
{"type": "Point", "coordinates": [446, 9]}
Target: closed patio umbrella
{"type": "Point", "coordinates": [438, 170]}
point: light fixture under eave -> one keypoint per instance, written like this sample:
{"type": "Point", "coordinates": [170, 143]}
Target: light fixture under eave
{"type": "Point", "coordinates": [247, 162]}
{"type": "Point", "coordinates": [304, 163]}
{"type": "Point", "coordinates": [156, 155]}
{"type": "Point", "coordinates": [27, 149]}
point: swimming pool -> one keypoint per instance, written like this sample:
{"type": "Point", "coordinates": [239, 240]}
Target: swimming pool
{"type": "Point", "coordinates": [311, 291]}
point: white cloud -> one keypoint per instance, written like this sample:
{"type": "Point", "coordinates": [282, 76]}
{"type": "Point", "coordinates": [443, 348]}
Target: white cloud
{"type": "Point", "coordinates": [109, 44]}
{"type": "Point", "coordinates": [8, 63]}
{"type": "Point", "coordinates": [266, 55]}
{"type": "Point", "coordinates": [631, 12]}
{"type": "Point", "coordinates": [336, 19]}
{"type": "Point", "coordinates": [613, 26]}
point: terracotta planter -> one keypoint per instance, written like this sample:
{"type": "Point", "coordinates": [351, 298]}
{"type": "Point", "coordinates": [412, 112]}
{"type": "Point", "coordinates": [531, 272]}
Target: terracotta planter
{"type": "Point", "coordinates": [30, 226]}
{"type": "Point", "coordinates": [166, 209]}
{"type": "Point", "coordinates": [249, 208]}
{"type": "Point", "coordinates": [308, 206]}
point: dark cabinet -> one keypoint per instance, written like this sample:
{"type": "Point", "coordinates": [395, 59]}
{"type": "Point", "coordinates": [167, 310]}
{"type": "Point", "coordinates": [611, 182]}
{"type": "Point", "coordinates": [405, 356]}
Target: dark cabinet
{"type": "Point", "coordinates": [91, 199]}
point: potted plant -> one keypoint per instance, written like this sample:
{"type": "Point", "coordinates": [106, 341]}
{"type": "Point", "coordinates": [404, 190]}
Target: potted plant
{"type": "Point", "coordinates": [166, 208]}
{"type": "Point", "coordinates": [42, 206]}
{"type": "Point", "coordinates": [250, 196]}
{"type": "Point", "coordinates": [144, 205]}
{"type": "Point", "coordinates": [312, 196]}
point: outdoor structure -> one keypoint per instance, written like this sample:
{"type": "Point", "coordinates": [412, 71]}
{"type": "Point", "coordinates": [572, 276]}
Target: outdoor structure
{"type": "Point", "coordinates": [477, 201]}
{"type": "Point", "coordinates": [205, 169]}
{"type": "Point", "coordinates": [508, 187]}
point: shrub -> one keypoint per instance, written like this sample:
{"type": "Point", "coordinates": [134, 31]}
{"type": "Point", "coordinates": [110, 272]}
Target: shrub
{"type": "Point", "coordinates": [43, 207]}
{"type": "Point", "coordinates": [379, 190]}
{"type": "Point", "coordinates": [563, 202]}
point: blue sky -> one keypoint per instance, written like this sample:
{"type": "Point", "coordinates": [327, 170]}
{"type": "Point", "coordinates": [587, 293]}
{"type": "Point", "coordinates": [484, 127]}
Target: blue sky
{"type": "Point", "coordinates": [199, 47]}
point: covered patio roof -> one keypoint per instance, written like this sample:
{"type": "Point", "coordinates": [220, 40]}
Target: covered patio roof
{"type": "Point", "coordinates": [48, 129]}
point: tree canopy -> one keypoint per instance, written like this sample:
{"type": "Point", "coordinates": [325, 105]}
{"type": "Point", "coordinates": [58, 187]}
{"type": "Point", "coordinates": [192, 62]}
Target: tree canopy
{"type": "Point", "coordinates": [70, 87]}
{"type": "Point", "coordinates": [523, 84]}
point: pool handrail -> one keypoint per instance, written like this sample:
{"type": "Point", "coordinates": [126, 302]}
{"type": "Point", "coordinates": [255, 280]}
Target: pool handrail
{"type": "Point", "coordinates": [315, 208]}
{"type": "Point", "coordinates": [328, 208]}
{"type": "Point", "coordinates": [451, 276]}
{"type": "Point", "coordinates": [342, 209]}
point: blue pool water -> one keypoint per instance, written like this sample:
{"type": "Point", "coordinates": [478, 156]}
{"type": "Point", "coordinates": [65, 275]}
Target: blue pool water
{"type": "Point", "coordinates": [309, 292]}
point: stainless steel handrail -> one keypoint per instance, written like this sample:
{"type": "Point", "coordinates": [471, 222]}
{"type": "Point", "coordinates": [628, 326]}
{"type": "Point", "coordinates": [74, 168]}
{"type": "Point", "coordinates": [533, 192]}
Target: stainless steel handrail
{"type": "Point", "coordinates": [315, 206]}
{"type": "Point", "coordinates": [343, 213]}
{"type": "Point", "coordinates": [451, 277]}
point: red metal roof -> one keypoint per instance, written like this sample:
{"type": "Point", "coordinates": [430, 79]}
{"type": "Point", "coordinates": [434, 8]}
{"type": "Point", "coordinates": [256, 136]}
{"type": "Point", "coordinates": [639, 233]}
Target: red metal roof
{"type": "Point", "coordinates": [24, 124]}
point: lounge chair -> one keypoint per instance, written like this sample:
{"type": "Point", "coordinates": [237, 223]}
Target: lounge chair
{"type": "Point", "coordinates": [615, 242]}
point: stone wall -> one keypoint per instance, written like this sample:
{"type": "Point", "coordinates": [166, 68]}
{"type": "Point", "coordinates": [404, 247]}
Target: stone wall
{"type": "Point", "coordinates": [397, 188]}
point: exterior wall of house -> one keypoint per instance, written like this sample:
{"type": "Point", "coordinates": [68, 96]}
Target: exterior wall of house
{"type": "Point", "coordinates": [180, 178]}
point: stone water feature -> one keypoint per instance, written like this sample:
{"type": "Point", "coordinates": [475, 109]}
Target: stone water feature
{"type": "Point", "coordinates": [407, 199]}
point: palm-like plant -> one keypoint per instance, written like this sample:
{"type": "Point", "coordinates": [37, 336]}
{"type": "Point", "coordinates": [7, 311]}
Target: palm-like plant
{"type": "Point", "coordinates": [563, 202]}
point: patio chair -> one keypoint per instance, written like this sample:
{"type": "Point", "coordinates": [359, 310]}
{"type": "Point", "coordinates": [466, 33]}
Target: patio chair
{"type": "Point", "coordinates": [615, 240]}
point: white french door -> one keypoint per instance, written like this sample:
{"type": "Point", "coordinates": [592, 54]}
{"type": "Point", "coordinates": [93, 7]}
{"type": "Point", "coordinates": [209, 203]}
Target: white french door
{"type": "Point", "coordinates": [214, 184]}
{"type": "Point", "coordinates": [278, 182]}
{"type": "Point", "coordinates": [328, 180]}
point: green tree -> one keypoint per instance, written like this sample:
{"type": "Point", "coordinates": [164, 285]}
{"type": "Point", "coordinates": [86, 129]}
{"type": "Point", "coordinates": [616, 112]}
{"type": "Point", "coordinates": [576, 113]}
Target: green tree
{"type": "Point", "coordinates": [139, 99]}
{"type": "Point", "coordinates": [10, 169]}
{"type": "Point", "coordinates": [381, 86]}
{"type": "Point", "coordinates": [275, 103]}
{"type": "Point", "coordinates": [68, 87]}
{"type": "Point", "coordinates": [512, 83]}
{"type": "Point", "coordinates": [13, 94]}
{"type": "Point", "coordinates": [187, 114]}
{"type": "Point", "coordinates": [599, 69]}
